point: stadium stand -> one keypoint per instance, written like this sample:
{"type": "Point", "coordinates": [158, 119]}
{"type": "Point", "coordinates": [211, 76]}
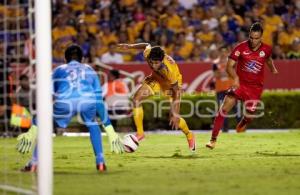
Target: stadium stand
{"type": "Point", "coordinates": [188, 30]}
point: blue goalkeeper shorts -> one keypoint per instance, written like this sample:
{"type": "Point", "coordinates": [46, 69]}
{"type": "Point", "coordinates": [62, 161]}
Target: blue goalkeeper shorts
{"type": "Point", "coordinates": [65, 110]}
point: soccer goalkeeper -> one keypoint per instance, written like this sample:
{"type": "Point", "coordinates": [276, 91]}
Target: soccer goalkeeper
{"type": "Point", "coordinates": [77, 90]}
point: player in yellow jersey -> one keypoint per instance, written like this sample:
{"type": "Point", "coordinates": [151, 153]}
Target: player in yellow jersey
{"type": "Point", "coordinates": [165, 78]}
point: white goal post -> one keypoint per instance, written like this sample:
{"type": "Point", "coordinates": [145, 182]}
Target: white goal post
{"type": "Point", "coordinates": [44, 98]}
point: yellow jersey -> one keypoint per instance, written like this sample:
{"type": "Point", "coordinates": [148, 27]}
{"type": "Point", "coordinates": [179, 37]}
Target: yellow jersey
{"type": "Point", "coordinates": [174, 22]}
{"type": "Point", "coordinates": [107, 39]}
{"type": "Point", "coordinates": [65, 34]}
{"type": "Point", "coordinates": [169, 73]}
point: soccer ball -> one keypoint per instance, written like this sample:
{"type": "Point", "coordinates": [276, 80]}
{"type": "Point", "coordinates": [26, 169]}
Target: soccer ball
{"type": "Point", "coordinates": [130, 142]}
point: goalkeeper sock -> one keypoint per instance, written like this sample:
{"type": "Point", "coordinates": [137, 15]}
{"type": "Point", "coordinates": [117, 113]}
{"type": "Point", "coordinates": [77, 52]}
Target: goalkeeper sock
{"type": "Point", "coordinates": [138, 115]}
{"type": "Point", "coordinates": [218, 123]}
{"type": "Point", "coordinates": [34, 157]}
{"type": "Point", "coordinates": [185, 129]}
{"type": "Point", "coordinates": [96, 140]}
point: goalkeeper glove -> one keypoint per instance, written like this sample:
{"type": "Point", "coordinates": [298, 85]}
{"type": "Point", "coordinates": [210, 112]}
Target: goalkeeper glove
{"type": "Point", "coordinates": [26, 140]}
{"type": "Point", "coordinates": [115, 142]}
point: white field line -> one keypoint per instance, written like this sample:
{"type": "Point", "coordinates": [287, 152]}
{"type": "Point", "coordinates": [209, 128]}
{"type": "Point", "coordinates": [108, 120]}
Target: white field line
{"type": "Point", "coordinates": [173, 132]}
{"type": "Point", "coordinates": [82, 134]}
{"type": "Point", "coordinates": [16, 189]}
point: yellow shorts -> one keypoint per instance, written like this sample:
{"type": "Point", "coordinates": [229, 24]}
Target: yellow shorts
{"type": "Point", "coordinates": [158, 87]}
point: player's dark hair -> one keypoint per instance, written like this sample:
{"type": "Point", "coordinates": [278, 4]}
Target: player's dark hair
{"type": "Point", "coordinates": [73, 52]}
{"type": "Point", "coordinates": [256, 27]}
{"type": "Point", "coordinates": [115, 73]}
{"type": "Point", "coordinates": [156, 53]}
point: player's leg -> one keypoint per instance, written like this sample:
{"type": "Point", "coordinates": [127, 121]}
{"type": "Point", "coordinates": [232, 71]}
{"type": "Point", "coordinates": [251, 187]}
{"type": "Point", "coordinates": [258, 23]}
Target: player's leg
{"type": "Point", "coordinates": [250, 103]}
{"type": "Point", "coordinates": [182, 123]}
{"type": "Point", "coordinates": [220, 98]}
{"type": "Point", "coordinates": [242, 125]}
{"type": "Point", "coordinates": [236, 111]}
{"type": "Point", "coordinates": [227, 105]}
{"type": "Point", "coordinates": [188, 133]}
{"type": "Point", "coordinates": [87, 112]}
{"type": "Point", "coordinates": [31, 166]}
{"type": "Point", "coordinates": [63, 112]}
{"type": "Point", "coordinates": [138, 113]}
{"type": "Point", "coordinates": [250, 106]}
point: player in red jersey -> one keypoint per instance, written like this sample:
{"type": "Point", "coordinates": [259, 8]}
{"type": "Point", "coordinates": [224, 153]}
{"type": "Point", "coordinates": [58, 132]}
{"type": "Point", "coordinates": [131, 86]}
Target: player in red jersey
{"type": "Point", "coordinates": [250, 58]}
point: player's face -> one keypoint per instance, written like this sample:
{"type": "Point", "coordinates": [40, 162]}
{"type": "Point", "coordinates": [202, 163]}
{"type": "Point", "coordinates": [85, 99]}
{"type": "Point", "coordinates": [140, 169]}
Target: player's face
{"type": "Point", "coordinates": [255, 39]}
{"type": "Point", "coordinates": [155, 64]}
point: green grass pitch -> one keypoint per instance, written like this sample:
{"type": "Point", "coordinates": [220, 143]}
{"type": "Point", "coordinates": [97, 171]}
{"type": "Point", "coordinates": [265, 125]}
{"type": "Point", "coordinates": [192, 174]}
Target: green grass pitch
{"type": "Point", "coordinates": [250, 163]}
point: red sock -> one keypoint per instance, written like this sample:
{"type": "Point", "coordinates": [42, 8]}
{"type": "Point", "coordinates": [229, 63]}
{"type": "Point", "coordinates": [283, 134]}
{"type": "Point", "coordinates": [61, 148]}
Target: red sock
{"type": "Point", "coordinates": [218, 123]}
{"type": "Point", "coordinates": [245, 121]}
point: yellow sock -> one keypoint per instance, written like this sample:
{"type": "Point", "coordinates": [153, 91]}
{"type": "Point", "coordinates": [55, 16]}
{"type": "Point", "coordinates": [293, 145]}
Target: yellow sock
{"type": "Point", "coordinates": [138, 115]}
{"type": "Point", "coordinates": [185, 129]}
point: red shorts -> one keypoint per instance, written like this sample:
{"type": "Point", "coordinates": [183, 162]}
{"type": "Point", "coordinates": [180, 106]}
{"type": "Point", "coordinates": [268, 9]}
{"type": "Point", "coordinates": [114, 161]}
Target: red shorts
{"type": "Point", "coordinates": [250, 95]}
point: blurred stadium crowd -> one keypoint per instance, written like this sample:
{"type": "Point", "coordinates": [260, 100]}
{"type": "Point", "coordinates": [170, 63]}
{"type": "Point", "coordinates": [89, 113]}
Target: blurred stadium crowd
{"type": "Point", "coordinates": [191, 30]}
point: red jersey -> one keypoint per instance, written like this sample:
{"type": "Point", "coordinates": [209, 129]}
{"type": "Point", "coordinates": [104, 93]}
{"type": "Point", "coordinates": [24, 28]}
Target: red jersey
{"type": "Point", "coordinates": [251, 64]}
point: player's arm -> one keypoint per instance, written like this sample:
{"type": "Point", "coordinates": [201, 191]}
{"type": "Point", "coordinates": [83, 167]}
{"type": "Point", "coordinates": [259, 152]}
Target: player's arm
{"type": "Point", "coordinates": [231, 72]}
{"type": "Point", "coordinates": [271, 66]}
{"type": "Point", "coordinates": [175, 106]}
{"type": "Point", "coordinates": [133, 46]}
{"type": "Point", "coordinates": [114, 139]}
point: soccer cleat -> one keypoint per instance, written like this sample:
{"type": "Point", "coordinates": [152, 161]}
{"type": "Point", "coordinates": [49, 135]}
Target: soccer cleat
{"type": "Point", "coordinates": [29, 168]}
{"type": "Point", "coordinates": [211, 144]}
{"type": "Point", "coordinates": [140, 137]}
{"type": "Point", "coordinates": [241, 127]}
{"type": "Point", "coordinates": [192, 143]}
{"type": "Point", "coordinates": [101, 167]}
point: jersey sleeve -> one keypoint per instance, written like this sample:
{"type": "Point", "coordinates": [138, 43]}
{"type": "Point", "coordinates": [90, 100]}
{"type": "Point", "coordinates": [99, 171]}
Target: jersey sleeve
{"type": "Point", "coordinates": [147, 51]}
{"type": "Point", "coordinates": [235, 54]}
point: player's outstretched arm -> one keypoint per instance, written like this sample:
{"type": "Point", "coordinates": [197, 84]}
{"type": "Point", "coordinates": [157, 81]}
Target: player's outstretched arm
{"type": "Point", "coordinates": [114, 139]}
{"type": "Point", "coordinates": [231, 72]}
{"type": "Point", "coordinates": [115, 142]}
{"type": "Point", "coordinates": [126, 46]}
{"type": "Point", "coordinates": [271, 66]}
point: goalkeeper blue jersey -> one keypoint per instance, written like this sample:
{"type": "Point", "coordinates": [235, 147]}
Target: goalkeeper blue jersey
{"type": "Point", "coordinates": [77, 89]}
{"type": "Point", "coordinates": [75, 80]}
